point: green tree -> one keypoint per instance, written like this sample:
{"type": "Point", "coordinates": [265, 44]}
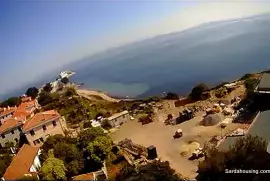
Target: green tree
{"type": "Point", "coordinates": [155, 171]}
{"type": "Point", "coordinates": [51, 143]}
{"type": "Point", "coordinates": [250, 85]}
{"type": "Point", "coordinates": [248, 153]}
{"type": "Point", "coordinates": [71, 156]}
{"type": "Point", "coordinates": [5, 160]}
{"type": "Point", "coordinates": [65, 80]}
{"type": "Point", "coordinates": [99, 148]}
{"type": "Point", "coordinates": [70, 92]}
{"type": "Point", "coordinates": [87, 136]}
{"type": "Point", "coordinates": [44, 98]}
{"type": "Point", "coordinates": [172, 96]}
{"type": "Point", "coordinates": [197, 91]}
{"type": "Point", "coordinates": [48, 87]}
{"type": "Point", "coordinates": [53, 168]}
{"type": "Point", "coordinates": [32, 92]}
{"type": "Point", "coordinates": [11, 102]}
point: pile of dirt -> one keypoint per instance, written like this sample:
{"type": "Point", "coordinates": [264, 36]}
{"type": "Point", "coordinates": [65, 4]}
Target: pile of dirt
{"type": "Point", "coordinates": [188, 148]}
{"type": "Point", "coordinates": [212, 119]}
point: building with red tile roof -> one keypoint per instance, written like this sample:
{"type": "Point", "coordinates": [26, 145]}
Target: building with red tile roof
{"type": "Point", "coordinates": [11, 130]}
{"type": "Point", "coordinates": [25, 163]}
{"type": "Point", "coordinates": [42, 125]}
{"type": "Point", "coordinates": [6, 113]}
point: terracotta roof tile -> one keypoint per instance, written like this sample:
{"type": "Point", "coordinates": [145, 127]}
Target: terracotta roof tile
{"type": "Point", "coordinates": [21, 163]}
{"type": "Point", "coordinates": [27, 106]}
{"type": "Point", "coordinates": [40, 118]}
{"type": "Point", "coordinates": [21, 114]}
{"type": "Point", "coordinates": [87, 176]}
{"type": "Point", "coordinates": [10, 123]}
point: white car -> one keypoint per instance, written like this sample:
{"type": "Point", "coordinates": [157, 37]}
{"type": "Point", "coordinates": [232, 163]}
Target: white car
{"type": "Point", "coordinates": [197, 153]}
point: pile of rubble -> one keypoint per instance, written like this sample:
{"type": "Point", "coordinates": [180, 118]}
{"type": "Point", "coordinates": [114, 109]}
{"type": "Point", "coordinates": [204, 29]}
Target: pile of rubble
{"type": "Point", "coordinates": [135, 154]}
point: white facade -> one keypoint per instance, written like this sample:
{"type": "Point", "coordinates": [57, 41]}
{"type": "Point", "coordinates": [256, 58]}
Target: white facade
{"type": "Point", "coordinates": [36, 164]}
{"type": "Point", "coordinates": [119, 118]}
{"type": "Point", "coordinates": [66, 74]}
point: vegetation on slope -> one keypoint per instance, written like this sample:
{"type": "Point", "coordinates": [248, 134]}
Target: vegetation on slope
{"type": "Point", "coordinates": [249, 153]}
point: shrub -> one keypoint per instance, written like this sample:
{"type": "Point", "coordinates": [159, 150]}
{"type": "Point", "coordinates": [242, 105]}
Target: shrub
{"type": "Point", "coordinates": [32, 92]}
{"type": "Point", "coordinates": [44, 98]}
{"type": "Point", "coordinates": [48, 87]}
{"type": "Point", "coordinates": [246, 76]}
{"type": "Point", "coordinates": [197, 91]}
{"type": "Point", "coordinates": [221, 92]}
{"type": "Point", "coordinates": [171, 96]}
{"type": "Point", "coordinates": [87, 124]}
{"type": "Point", "coordinates": [65, 80]}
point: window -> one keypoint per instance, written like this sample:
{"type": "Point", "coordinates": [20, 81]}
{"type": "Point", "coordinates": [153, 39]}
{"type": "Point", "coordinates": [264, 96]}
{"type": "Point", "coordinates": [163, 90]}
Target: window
{"type": "Point", "coordinates": [16, 140]}
{"type": "Point", "coordinates": [3, 136]}
{"type": "Point", "coordinates": [12, 131]}
{"type": "Point", "coordinates": [54, 123]}
{"type": "Point", "coordinates": [20, 129]}
{"type": "Point", "coordinates": [41, 139]}
{"type": "Point", "coordinates": [36, 142]}
{"type": "Point", "coordinates": [44, 127]}
{"type": "Point", "coordinates": [32, 132]}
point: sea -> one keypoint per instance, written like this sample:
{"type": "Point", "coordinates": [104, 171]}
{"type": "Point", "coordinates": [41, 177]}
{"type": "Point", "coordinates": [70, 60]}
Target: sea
{"type": "Point", "coordinates": [210, 53]}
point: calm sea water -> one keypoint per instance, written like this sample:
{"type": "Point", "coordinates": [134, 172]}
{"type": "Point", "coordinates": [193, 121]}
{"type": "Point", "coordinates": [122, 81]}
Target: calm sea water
{"type": "Point", "coordinates": [175, 62]}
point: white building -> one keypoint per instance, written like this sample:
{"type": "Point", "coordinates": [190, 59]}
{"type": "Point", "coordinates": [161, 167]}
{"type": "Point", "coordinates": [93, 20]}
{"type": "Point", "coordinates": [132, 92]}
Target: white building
{"type": "Point", "coordinates": [66, 73]}
{"type": "Point", "coordinates": [118, 118]}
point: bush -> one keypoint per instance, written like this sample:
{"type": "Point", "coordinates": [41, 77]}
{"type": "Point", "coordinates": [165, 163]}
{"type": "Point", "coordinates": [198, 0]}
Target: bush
{"type": "Point", "coordinates": [47, 87]}
{"type": "Point", "coordinates": [248, 153]}
{"type": "Point", "coordinates": [65, 80]}
{"type": "Point", "coordinates": [197, 91]}
{"type": "Point", "coordinates": [32, 92]}
{"type": "Point", "coordinates": [154, 171]}
{"type": "Point", "coordinates": [221, 92]}
{"type": "Point", "coordinates": [44, 98]}
{"type": "Point", "coordinates": [11, 102]}
{"type": "Point", "coordinates": [246, 76]}
{"type": "Point", "coordinates": [146, 119]}
{"type": "Point", "coordinates": [87, 125]}
{"type": "Point", "coordinates": [171, 96]}
{"type": "Point", "coordinates": [105, 124]}
{"type": "Point", "coordinates": [251, 84]}
{"type": "Point", "coordinates": [70, 92]}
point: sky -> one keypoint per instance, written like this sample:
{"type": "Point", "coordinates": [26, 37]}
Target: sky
{"type": "Point", "coordinates": [39, 36]}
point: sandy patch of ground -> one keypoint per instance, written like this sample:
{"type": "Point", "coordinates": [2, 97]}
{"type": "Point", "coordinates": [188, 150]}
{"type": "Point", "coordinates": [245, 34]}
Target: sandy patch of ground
{"type": "Point", "coordinates": [90, 94]}
{"type": "Point", "coordinates": [176, 151]}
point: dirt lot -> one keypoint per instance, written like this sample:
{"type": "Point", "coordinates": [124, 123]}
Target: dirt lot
{"type": "Point", "coordinates": [170, 149]}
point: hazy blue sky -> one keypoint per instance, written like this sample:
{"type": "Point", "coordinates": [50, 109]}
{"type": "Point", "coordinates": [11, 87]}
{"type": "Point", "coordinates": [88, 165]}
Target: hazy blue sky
{"type": "Point", "coordinates": [37, 36]}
